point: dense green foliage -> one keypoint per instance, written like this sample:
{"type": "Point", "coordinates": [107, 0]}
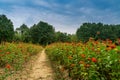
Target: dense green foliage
{"type": "Point", "coordinates": [80, 61]}
{"type": "Point", "coordinates": [6, 29]}
{"type": "Point", "coordinates": [90, 61]}
{"type": "Point", "coordinates": [98, 31]}
{"type": "Point", "coordinates": [14, 55]}
{"type": "Point", "coordinates": [42, 33]}
{"type": "Point", "coordinates": [62, 37]}
{"type": "Point", "coordinates": [22, 33]}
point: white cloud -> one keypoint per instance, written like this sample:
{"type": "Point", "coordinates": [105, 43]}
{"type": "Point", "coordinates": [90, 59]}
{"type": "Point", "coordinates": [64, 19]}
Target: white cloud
{"type": "Point", "coordinates": [42, 3]}
{"type": "Point", "coordinates": [30, 16]}
{"type": "Point", "coordinates": [61, 22]}
{"type": "Point", "coordinates": [50, 5]}
{"type": "Point", "coordinates": [2, 11]}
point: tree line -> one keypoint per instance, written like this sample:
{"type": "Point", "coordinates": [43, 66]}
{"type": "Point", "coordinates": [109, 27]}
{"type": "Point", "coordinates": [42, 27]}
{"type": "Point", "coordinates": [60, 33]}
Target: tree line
{"type": "Point", "coordinates": [44, 33]}
{"type": "Point", "coordinates": [98, 31]}
{"type": "Point", "coordinates": [40, 33]}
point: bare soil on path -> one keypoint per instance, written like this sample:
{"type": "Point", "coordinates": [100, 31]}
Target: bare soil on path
{"type": "Point", "coordinates": [38, 68]}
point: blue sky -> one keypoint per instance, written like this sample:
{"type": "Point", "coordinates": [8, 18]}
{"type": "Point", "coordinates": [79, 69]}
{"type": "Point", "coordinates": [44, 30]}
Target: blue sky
{"type": "Point", "coordinates": [64, 15]}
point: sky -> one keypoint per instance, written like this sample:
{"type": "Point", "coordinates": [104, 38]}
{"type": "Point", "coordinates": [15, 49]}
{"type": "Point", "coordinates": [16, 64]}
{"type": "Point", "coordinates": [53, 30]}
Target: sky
{"type": "Point", "coordinates": [64, 15]}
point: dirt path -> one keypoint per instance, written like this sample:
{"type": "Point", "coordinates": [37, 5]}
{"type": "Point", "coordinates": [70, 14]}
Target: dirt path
{"type": "Point", "coordinates": [38, 68]}
{"type": "Point", "coordinates": [41, 69]}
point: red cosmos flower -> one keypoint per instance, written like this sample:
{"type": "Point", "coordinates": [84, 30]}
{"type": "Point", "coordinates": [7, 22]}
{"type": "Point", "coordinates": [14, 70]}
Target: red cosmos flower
{"type": "Point", "coordinates": [113, 46]}
{"type": "Point", "coordinates": [8, 66]}
{"type": "Point", "coordinates": [94, 59]}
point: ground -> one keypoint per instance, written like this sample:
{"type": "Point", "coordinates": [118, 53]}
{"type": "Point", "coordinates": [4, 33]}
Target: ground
{"type": "Point", "coordinates": [38, 68]}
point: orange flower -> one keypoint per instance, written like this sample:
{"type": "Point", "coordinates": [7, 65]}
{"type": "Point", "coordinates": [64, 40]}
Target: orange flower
{"type": "Point", "coordinates": [110, 42]}
{"type": "Point", "coordinates": [87, 65]}
{"type": "Point", "coordinates": [0, 50]}
{"type": "Point", "coordinates": [81, 62]}
{"type": "Point", "coordinates": [89, 58]}
{"type": "Point", "coordinates": [8, 66]}
{"type": "Point", "coordinates": [7, 52]}
{"type": "Point", "coordinates": [62, 69]}
{"type": "Point", "coordinates": [69, 57]}
{"type": "Point", "coordinates": [72, 65]}
{"type": "Point", "coordinates": [94, 59]}
{"type": "Point", "coordinates": [113, 46]}
{"type": "Point", "coordinates": [108, 48]}
{"type": "Point", "coordinates": [93, 48]}
{"type": "Point", "coordinates": [83, 55]}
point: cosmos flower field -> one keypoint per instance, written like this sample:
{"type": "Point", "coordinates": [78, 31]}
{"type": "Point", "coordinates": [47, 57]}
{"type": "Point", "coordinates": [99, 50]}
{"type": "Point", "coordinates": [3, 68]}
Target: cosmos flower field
{"type": "Point", "coordinates": [93, 60]}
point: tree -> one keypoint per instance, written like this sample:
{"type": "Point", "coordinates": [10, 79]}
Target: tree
{"type": "Point", "coordinates": [42, 33]}
{"type": "Point", "coordinates": [22, 33]}
{"type": "Point", "coordinates": [118, 31]}
{"type": "Point", "coordinates": [73, 38]}
{"type": "Point", "coordinates": [25, 34]}
{"type": "Point", "coordinates": [6, 29]}
{"type": "Point", "coordinates": [98, 31]}
{"type": "Point", "coordinates": [34, 33]}
{"type": "Point", "coordinates": [85, 32]}
{"type": "Point", "coordinates": [62, 37]}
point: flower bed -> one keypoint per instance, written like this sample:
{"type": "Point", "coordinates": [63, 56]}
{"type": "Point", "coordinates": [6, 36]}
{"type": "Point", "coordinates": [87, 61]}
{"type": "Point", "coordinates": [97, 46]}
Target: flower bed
{"type": "Point", "coordinates": [13, 56]}
{"type": "Point", "coordinates": [89, 61]}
